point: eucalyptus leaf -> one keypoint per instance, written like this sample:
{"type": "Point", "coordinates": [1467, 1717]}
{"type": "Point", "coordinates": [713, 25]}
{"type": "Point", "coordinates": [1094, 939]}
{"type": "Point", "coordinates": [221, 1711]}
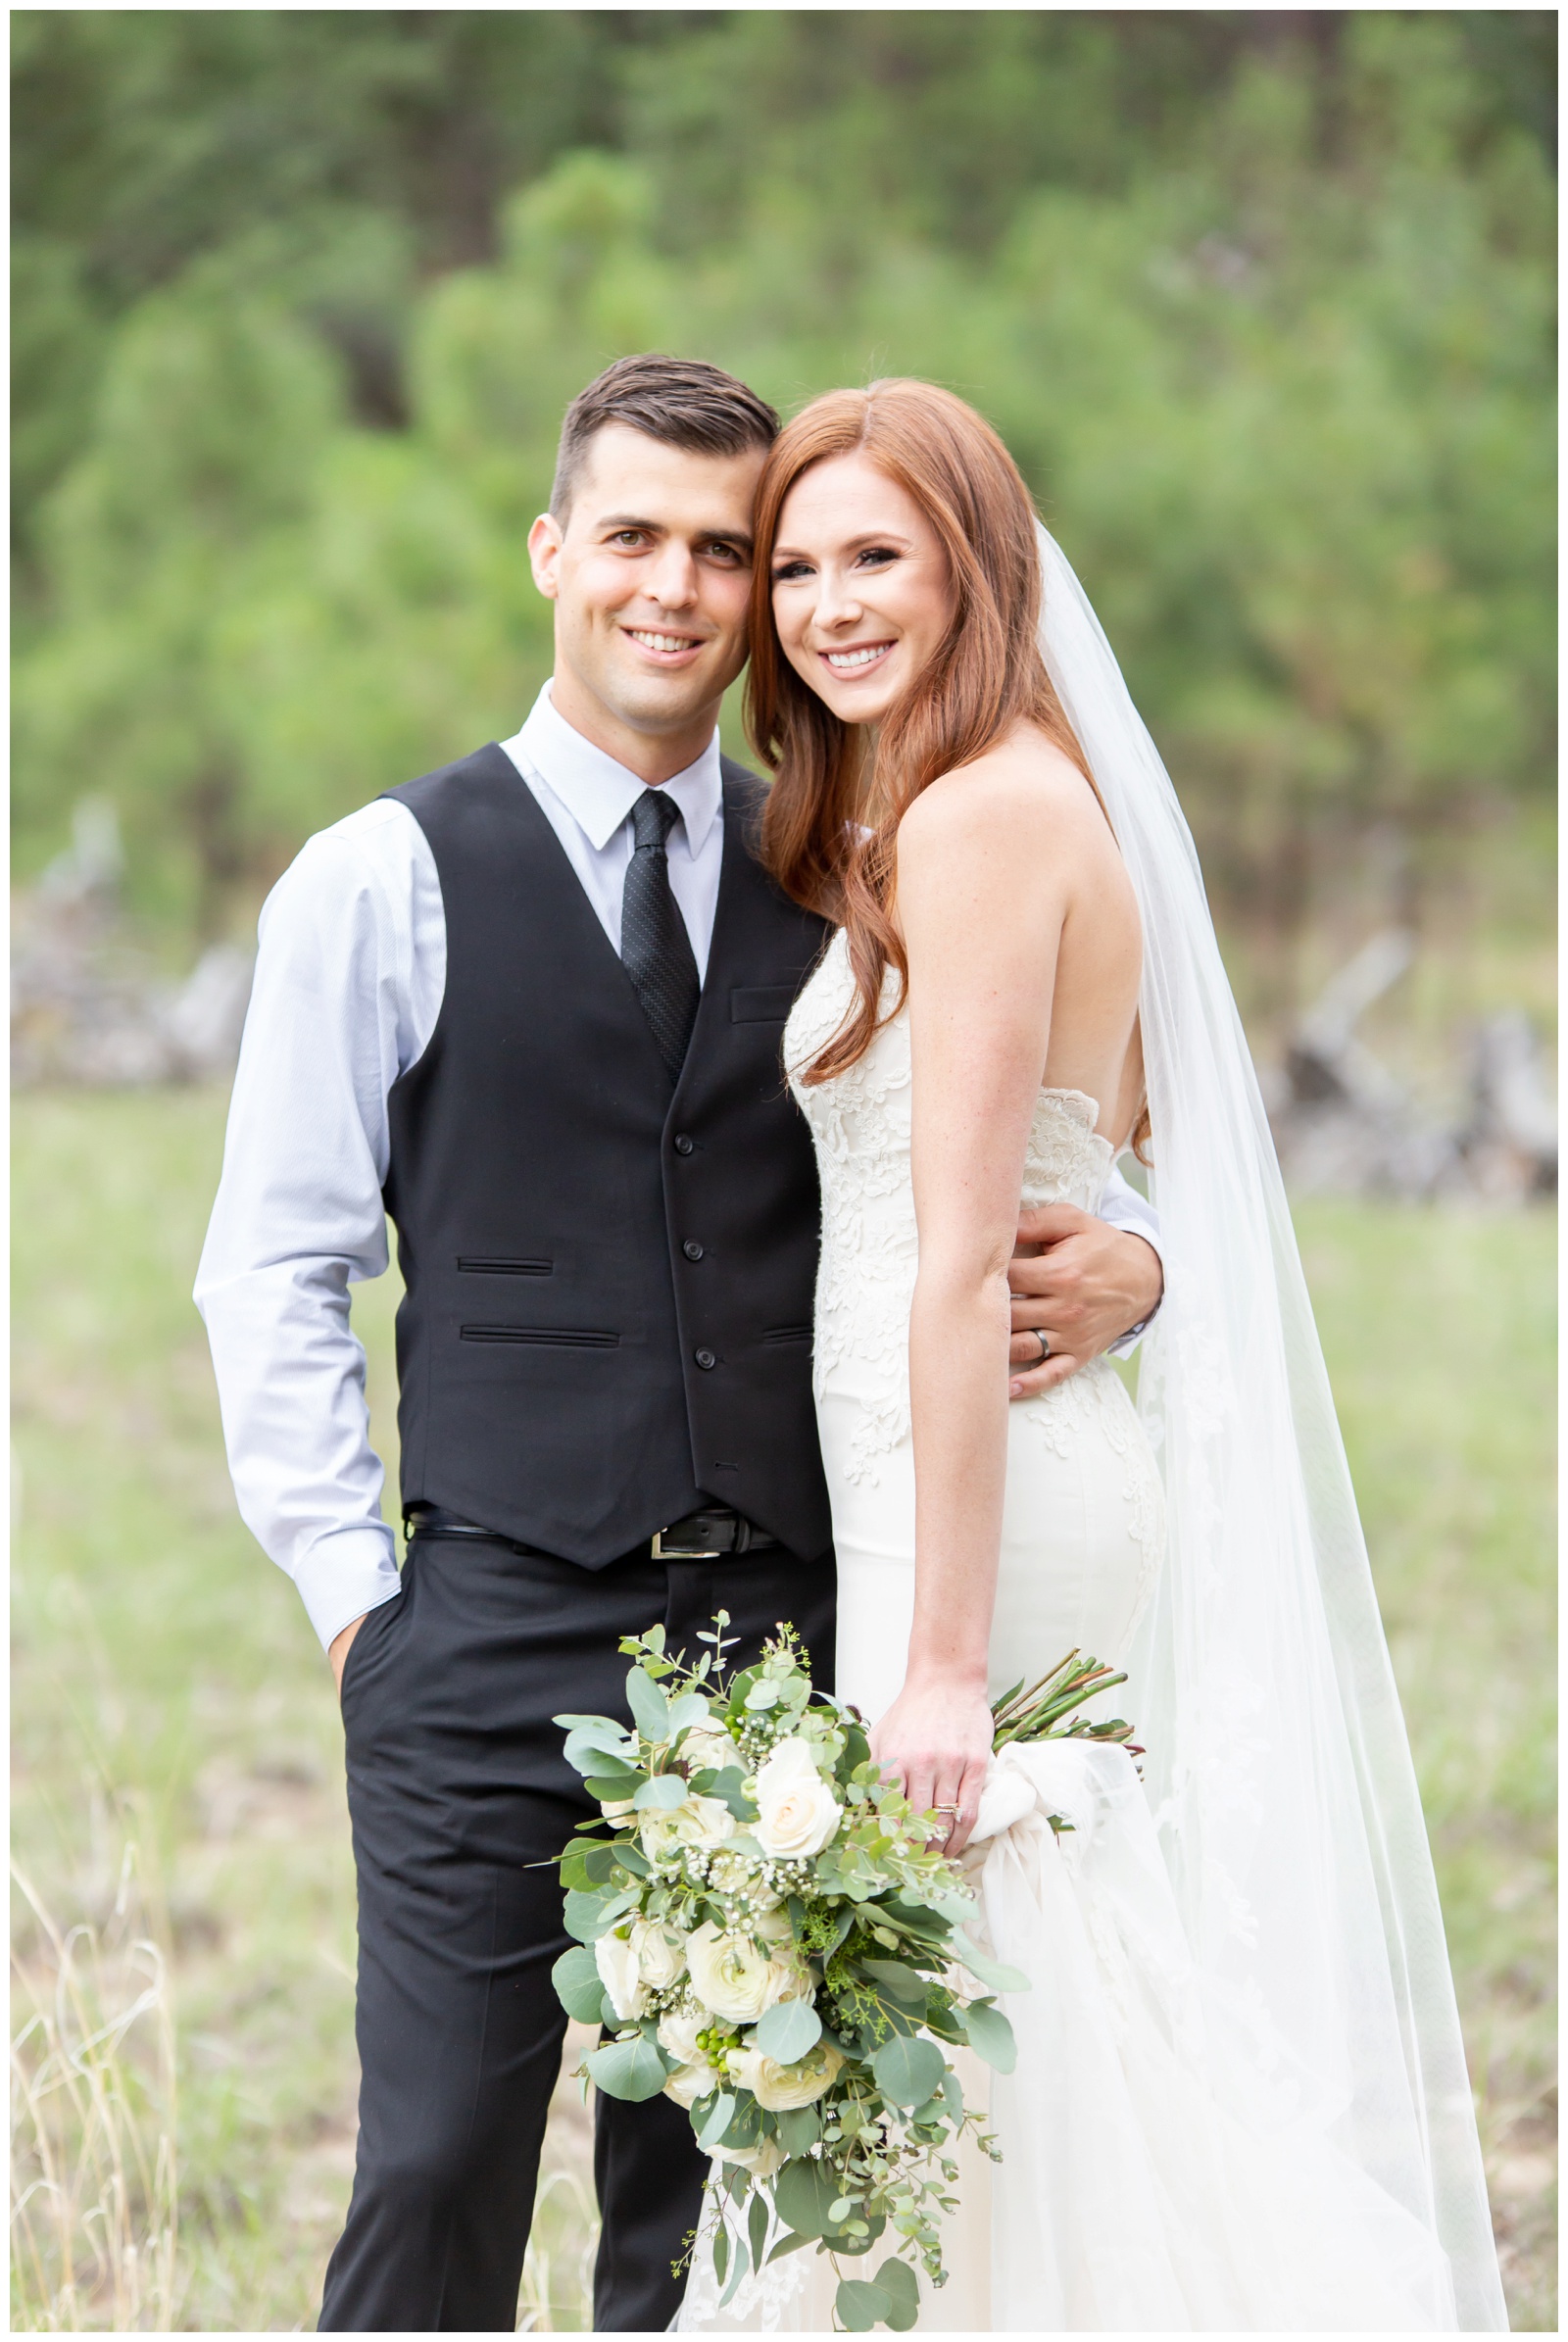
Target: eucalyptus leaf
{"type": "Point", "coordinates": [897, 2281]}
{"type": "Point", "coordinates": [579, 1987]}
{"type": "Point", "coordinates": [803, 2194]}
{"type": "Point", "coordinates": [762, 1697]}
{"type": "Point", "coordinates": [587, 1915]}
{"type": "Point", "coordinates": [799, 2129]}
{"type": "Point", "coordinates": [859, 2306]}
{"type": "Point", "coordinates": [735, 2276]}
{"type": "Point", "coordinates": [689, 1709]}
{"type": "Point", "coordinates": [787, 2030]}
{"type": "Point", "coordinates": [609, 1740]}
{"type": "Point", "coordinates": [991, 1971]}
{"type": "Point", "coordinates": [907, 2070]}
{"type": "Point", "coordinates": [648, 1707]}
{"type": "Point", "coordinates": [905, 1983]}
{"type": "Point", "coordinates": [991, 2035]}
{"type": "Point", "coordinates": [717, 2123]}
{"type": "Point", "coordinates": [722, 2253]}
{"type": "Point", "coordinates": [729, 1788]}
{"type": "Point", "coordinates": [662, 1794]}
{"type": "Point", "coordinates": [613, 1788]}
{"type": "Point", "coordinates": [633, 2069]}
{"type": "Point", "coordinates": [757, 2227]}
{"type": "Point", "coordinates": [788, 2243]}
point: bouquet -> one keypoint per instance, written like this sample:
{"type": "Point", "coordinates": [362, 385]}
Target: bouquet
{"type": "Point", "coordinates": [769, 1935]}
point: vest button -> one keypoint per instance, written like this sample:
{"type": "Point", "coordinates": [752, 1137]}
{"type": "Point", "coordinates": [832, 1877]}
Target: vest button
{"type": "Point", "coordinates": [692, 1248]}
{"type": "Point", "coordinates": [705, 1358]}
{"type": "Point", "coordinates": [683, 1144]}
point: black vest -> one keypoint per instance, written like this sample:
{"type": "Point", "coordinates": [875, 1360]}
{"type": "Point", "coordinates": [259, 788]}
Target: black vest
{"type": "Point", "coordinates": [607, 1313]}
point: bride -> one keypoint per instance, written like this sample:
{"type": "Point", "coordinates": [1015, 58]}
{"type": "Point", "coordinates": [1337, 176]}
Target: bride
{"type": "Point", "coordinates": [1239, 2101]}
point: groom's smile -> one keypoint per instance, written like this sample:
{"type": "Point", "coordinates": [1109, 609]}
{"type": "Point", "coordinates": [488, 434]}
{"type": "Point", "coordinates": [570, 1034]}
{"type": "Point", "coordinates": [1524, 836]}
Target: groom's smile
{"type": "Point", "coordinates": [649, 567]}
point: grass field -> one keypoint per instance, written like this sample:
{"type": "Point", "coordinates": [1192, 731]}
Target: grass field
{"type": "Point", "coordinates": [169, 1698]}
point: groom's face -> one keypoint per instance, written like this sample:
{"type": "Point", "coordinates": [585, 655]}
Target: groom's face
{"type": "Point", "coordinates": [650, 575]}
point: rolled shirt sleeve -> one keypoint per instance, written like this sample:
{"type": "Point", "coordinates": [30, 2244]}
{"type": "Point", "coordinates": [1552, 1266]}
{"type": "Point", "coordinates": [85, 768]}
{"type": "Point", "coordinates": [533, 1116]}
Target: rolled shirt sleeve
{"type": "Point", "coordinates": [1121, 1206]}
{"type": "Point", "coordinates": [349, 975]}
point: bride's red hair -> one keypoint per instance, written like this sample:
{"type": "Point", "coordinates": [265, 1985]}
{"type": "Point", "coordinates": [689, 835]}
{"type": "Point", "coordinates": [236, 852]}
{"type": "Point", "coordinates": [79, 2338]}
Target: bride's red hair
{"type": "Point", "coordinates": [985, 676]}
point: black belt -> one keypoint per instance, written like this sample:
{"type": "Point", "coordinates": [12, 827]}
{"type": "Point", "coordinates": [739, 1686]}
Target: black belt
{"type": "Point", "coordinates": [700, 1537]}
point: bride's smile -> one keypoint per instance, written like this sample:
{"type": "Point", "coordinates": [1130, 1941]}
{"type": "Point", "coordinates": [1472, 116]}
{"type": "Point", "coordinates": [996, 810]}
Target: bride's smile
{"type": "Point", "coordinates": [862, 596]}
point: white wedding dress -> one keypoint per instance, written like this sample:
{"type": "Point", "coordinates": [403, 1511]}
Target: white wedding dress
{"type": "Point", "coordinates": [1241, 2101]}
{"type": "Point", "coordinates": [1128, 2199]}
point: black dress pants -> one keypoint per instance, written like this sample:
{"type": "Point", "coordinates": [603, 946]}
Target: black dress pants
{"type": "Point", "coordinates": [457, 1786]}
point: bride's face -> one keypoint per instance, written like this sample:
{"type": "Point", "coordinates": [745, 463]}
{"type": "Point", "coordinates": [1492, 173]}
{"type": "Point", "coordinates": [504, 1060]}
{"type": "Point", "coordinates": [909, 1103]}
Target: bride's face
{"type": "Point", "coordinates": [862, 596]}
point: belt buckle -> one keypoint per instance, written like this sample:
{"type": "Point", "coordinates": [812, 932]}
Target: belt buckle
{"type": "Point", "coordinates": [660, 1551]}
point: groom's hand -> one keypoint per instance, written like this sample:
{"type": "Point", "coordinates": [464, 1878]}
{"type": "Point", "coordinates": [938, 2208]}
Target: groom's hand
{"type": "Point", "coordinates": [1080, 1283]}
{"type": "Point", "coordinates": [337, 1650]}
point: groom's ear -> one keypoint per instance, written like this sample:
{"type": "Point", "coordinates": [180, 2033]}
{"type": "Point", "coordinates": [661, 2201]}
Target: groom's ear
{"type": "Point", "coordinates": [543, 555]}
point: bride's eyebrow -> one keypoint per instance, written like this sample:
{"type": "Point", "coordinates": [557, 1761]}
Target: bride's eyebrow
{"type": "Point", "coordinates": [870, 536]}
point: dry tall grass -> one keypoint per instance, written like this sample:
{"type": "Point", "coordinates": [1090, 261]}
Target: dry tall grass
{"type": "Point", "coordinates": [94, 2185]}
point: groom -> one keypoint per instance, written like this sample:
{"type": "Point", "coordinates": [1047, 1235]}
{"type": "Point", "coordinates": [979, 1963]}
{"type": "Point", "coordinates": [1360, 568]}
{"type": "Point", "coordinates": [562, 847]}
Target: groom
{"type": "Point", "coordinates": [530, 1007]}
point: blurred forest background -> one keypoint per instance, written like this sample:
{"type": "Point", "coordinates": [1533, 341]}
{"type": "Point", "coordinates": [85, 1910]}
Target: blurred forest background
{"type": "Point", "coordinates": [1263, 304]}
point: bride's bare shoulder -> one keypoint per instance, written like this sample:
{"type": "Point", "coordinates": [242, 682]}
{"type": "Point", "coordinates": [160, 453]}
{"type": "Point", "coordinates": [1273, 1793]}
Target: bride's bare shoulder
{"type": "Point", "coordinates": [1021, 794]}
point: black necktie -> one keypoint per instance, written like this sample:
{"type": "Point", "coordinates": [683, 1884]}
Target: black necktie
{"type": "Point", "coordinates": [655, 948]}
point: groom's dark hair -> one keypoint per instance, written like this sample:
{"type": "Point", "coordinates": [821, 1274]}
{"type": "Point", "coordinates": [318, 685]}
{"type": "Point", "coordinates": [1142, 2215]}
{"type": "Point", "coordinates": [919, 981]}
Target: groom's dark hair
{"type": "Point", "coordinates": [682, 401]}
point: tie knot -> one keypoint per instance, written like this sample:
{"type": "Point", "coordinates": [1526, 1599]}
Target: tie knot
{"type": "Point", "coordinates": [653, 815]}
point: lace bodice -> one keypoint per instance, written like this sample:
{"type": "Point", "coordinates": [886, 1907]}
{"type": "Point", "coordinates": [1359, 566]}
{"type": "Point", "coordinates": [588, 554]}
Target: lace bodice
{"type": "Point", "coordinates": [860, 1125]}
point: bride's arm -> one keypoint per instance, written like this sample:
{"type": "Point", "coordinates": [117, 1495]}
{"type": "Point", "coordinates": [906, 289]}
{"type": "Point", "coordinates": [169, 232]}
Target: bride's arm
{"type": "Point", "coordinates": [981, 906]}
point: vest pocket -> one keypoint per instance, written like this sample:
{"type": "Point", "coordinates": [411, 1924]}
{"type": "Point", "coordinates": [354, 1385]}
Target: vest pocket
{"type": "Point", "coordinates": [761, 1004]}
{"type": "Point", "coordinates": [476, 1267]}
{"type": "Point", "coordinates": [781, 1333]}
{"type": "Point", "coordinates": [568, 1338]}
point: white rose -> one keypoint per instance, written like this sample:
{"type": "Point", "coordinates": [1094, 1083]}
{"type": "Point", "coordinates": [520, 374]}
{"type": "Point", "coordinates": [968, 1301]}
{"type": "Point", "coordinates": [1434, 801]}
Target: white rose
{"type": "Point", "coordinates": [690, 2083]}
{"type": "Point", "coordinates": [797, 1813]}
{"type": "Point", "coordinates": [695, 1821]}
{"type": "Point", "coordinates": [777, 2087]}
{"type": "Point", "coordinates": [703, 1821]}
{"type": "Point", "coordinates": [661, 1961]}
{"type": "Point", "coordinates": [737, 1978]}
{"type": "Point", "coordinates": [616, 1962]}
{"type": "Point", "coordinates": [679, 2029]}
{"type": "Point", "coordinates": [761, 2160]}
{"type": "Point", "coordinates": [707, 1751]}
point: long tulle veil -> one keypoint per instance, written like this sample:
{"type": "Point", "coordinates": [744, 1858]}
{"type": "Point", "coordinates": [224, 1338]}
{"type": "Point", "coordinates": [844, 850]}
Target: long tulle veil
{"type": "Point", "coordinates": [1278, 1764]}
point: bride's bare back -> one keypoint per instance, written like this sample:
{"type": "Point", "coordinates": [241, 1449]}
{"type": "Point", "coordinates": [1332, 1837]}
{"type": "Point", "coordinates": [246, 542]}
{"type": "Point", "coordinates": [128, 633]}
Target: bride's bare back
{"type": "Point", "coordinates": [1039, 805]}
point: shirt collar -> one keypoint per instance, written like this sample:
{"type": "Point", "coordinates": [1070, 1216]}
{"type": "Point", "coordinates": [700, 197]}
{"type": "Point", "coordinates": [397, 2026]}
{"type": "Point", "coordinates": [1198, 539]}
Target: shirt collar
{"type": "Point", "coordinates": [599, 793]}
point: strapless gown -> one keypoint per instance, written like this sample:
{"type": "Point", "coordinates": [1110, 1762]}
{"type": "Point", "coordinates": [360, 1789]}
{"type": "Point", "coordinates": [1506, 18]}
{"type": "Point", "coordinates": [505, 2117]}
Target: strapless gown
{"type": "Point", "coordinates": [1127, 2199]}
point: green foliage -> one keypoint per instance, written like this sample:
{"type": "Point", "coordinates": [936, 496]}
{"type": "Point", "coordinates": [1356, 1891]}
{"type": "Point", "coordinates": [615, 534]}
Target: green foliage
{"type": "Point", "coordinates": [1267, 317]}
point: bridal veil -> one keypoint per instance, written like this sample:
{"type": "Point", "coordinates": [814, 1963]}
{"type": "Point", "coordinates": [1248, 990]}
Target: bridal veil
{"type": "Point", "coordinates": [1278, 1767]}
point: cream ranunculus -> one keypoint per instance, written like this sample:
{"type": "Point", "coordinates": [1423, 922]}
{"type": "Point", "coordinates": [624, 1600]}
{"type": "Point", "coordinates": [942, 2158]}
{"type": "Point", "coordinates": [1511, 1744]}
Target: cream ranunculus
{"type": "Point", "coordinates": [615, 1959]}
{"type": "Point", "coordinates": [679, 2029]}
{"type": "Point", "coordinates": [761, 2160]}
{"type": "Point", "coordinates": [780, 2086]}
{"type": "Point", "coordinates": [660, 1960]}
{"type": "Point", "coordinates": [797, 1813]}
{"type": "Point", "coordinates": [739, 1978]}
{"type": "Point", "coordinates": [691, 2082]}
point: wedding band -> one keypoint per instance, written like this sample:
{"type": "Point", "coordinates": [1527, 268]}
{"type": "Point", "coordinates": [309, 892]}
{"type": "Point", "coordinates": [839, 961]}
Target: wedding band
{"type": "Point", "coordinates": [946, 1809]}
{"type": "Point", "coordinates": [1045, 1346]}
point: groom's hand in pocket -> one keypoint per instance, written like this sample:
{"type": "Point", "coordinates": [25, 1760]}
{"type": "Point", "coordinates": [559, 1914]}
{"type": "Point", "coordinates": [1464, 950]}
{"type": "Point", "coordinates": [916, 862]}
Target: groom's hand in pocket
{"type": "Point", "coordinates": [1080, 1283]}
{"type": "Point", "coordinates": [338, 1648]}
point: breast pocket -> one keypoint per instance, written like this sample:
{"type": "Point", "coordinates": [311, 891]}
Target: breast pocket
{"type": "Point", "coordinates": [761, 1004]}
